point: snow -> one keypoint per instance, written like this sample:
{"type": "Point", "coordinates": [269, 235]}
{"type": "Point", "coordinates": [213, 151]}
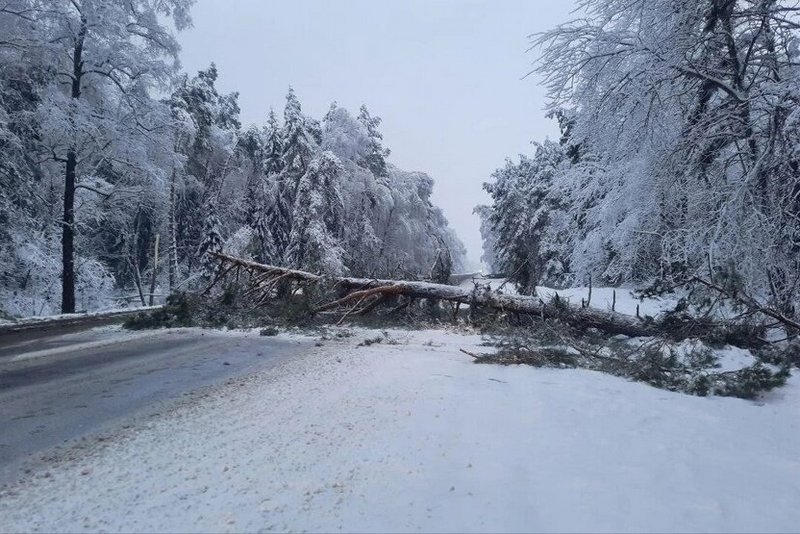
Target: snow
{"type": "Point", "coordinates": [92, 339]}
{"type": "Point", "coordinates": [602, 297]}
{"type": "Point", "coordinates": [734, 358]}
{"type": "Point", "coordinates": [41, 319]}
{"type": "Point", "coordinates": [409, 435]}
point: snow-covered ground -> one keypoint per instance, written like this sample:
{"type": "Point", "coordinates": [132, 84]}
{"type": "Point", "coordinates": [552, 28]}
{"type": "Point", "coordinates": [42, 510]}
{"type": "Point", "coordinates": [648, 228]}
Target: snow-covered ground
{"type": "Point", "coordinates": [413, 436]}
{"type": "Point", "coordinates": [37, 319]}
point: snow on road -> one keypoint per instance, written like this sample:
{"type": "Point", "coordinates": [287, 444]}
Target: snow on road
{"type": "Point", "coordinates": [415, 437]}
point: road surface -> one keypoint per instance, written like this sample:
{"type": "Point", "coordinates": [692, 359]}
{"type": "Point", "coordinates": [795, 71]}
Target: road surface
{"type": "Point", "coordinates": [61, 388]}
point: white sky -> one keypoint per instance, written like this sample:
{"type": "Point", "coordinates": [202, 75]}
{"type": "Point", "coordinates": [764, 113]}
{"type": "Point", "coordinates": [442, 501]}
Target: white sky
{"type": "Point", "coordinates": [444, 75]}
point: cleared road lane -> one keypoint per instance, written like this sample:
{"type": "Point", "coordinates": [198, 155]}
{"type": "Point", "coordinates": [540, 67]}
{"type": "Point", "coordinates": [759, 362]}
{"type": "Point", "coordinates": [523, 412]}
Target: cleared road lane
{"type": "Point", "coordinates": [60, 388]}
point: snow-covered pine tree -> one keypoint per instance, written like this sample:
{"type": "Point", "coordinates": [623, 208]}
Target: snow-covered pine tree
{"type": "Point", "coordinates": [212, 242]}
{"type": "Point", "coordinates": [266, 250]}
{"type": "Point", "coordinates": [275, 216]}
{"type": "Point", "coordinates": [250, 152]}
{"type": "Point", "coordinates": [376, 154]}
{"type": "Point", "coordinates": [299, 143]}
{"type": "Point", "coordinates": [266, 210]}
{"type": "Point", "coordinates": [359, 240]}
{"type": "Point", "coordinates": [315, 240]}
{"type": "Point", "coordinates": [300, 140]}
{"type": "Point", "coordinates": [519, 214]}
{"type": "Point", "coordinates": [208, 139]}
{"type": "Point", "coordinates": [273, 146]}
{"type": "Point", "coordinates": [366, 197]}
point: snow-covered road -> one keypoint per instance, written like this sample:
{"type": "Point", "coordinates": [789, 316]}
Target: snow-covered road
{"type": "Point", "coordinates": [413, 436]}
{"type": "Point", "coordinates": [81, 386]}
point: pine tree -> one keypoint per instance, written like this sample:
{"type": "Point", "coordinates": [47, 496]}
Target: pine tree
{"type": "Point", "coordinates": [275, 210]}
{"type": "Point", "coordinates": [300, 138]}
{"type": "Point", "coordinates": [520, 214]}
{"type": "Point", "coordinates": [273, 146]}
{"type": "Point", "coordinates": [488, 237]}
{"type": "Point", "coordinates": [207, 138]}
{"type": "Point", "coordinates": [250, 152]}
{"type": "Point", "coordinates": [376, 154]}
{"type": "Point", "coordinates": [212, 242]}
{"type": "Point", "coordinates": [360, 241]}
{"type": "Point", "coordinates": [315, 240]}
{"type": "Point", "coordinates": [267, 249]}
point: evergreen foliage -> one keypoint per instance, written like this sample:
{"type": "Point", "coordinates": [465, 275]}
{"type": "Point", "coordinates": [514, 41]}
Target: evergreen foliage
{"type": "Point", "coordinates": [212, 242]}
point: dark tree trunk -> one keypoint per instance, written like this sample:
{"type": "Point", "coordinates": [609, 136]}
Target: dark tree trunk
{"type": "Point", "coordinates": [173, 237]}
{"type": "Point", "coordinates": [68, 238]}
{"type": "Point", "coordinates": [68, 222]}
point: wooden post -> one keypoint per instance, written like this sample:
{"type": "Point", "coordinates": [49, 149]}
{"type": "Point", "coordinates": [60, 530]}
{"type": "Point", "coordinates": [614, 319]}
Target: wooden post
{"type": "Point", "coordinates": [613, 300]}
{"type": "Point", "coordinates": [637, 310]}
{"type": "Point", "coordinates": [155, 270]}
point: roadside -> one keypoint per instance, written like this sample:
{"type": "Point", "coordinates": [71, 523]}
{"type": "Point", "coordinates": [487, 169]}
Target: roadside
{"type": "Point", "coordinates": [402, 432]}
{"type": "Point", "coordinates": [21, 332]}
{"type": "Point", "coordinates": [57, 389]}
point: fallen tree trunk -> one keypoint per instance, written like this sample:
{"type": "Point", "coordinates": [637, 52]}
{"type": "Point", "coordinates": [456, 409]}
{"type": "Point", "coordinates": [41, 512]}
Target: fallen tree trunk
{"type": "Point", "coordinates": [361, 290]}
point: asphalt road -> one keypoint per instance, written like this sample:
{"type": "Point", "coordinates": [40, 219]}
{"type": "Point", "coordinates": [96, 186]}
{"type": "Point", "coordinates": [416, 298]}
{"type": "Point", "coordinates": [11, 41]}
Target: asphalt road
{"type": "Point", "coordinates": [57, 389]}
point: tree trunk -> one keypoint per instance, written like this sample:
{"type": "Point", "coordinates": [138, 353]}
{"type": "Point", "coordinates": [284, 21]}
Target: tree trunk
{"type": "Point", "coordinates": [173, 237]}
{"type": "Point", "coordinates": [68, 238]}
{"type": "Point", "coordinates": [68, 223]}
{"type": "Point", "coordinates": [358, 290]}
{"type": "Point", "coordinates": [155, 270]}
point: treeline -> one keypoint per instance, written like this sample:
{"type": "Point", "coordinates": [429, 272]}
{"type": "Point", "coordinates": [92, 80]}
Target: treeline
{"type": "Point", "coordinates": [678, 158]}
{"type": "Point", "coordinates": [95, 163]}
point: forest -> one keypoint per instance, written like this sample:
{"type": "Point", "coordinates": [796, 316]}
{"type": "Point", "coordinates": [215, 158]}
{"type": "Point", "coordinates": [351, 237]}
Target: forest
{"type": "Point", "coordinates": [112, 158]}
{"type": "Point", "coordinates": [678, 159]}
{"type": "Point", "coordinates": [121, 174]}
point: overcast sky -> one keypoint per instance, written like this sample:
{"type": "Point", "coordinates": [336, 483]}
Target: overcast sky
{"type": "Point", "coordinates": [444, 75]}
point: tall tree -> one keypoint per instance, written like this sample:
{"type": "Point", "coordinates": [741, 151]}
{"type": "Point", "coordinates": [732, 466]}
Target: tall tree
{"type": "Point", "coordinates": [300, 142]}
{"type": "Point", "coordinates": [375, 157]}
{"type": "Point", "coordinates": [212, 241]}
{"type": "Point", "coordinates": [275, 210]}
{"type": "Point", "coordinates": [315, 240]}
{"type": "Point", "coordinates": [520, 214]}
{"type": "Point", "coordinates": [108, 55]}
{"type": "Point", "coordinates": [683, 156]}
{"type": "Point", "coordinates": [210, 132]}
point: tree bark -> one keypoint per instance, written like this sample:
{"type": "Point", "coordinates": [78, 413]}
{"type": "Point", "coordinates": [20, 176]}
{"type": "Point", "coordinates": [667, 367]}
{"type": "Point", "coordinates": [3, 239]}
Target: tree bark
{"type": "Point", "coordinates": [68, 222]}
{"type": "Point", "coordinates": [173, 236]}
{"type": "Point", "coordinates": [68, 238]}
{"type": "Point", "coordinates": [155, 270]}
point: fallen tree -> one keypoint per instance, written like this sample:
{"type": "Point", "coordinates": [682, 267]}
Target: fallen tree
{"type": "Point", "coordinates": [365, 294]}
{"type": "Point", "coordinates": [677, 352]}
